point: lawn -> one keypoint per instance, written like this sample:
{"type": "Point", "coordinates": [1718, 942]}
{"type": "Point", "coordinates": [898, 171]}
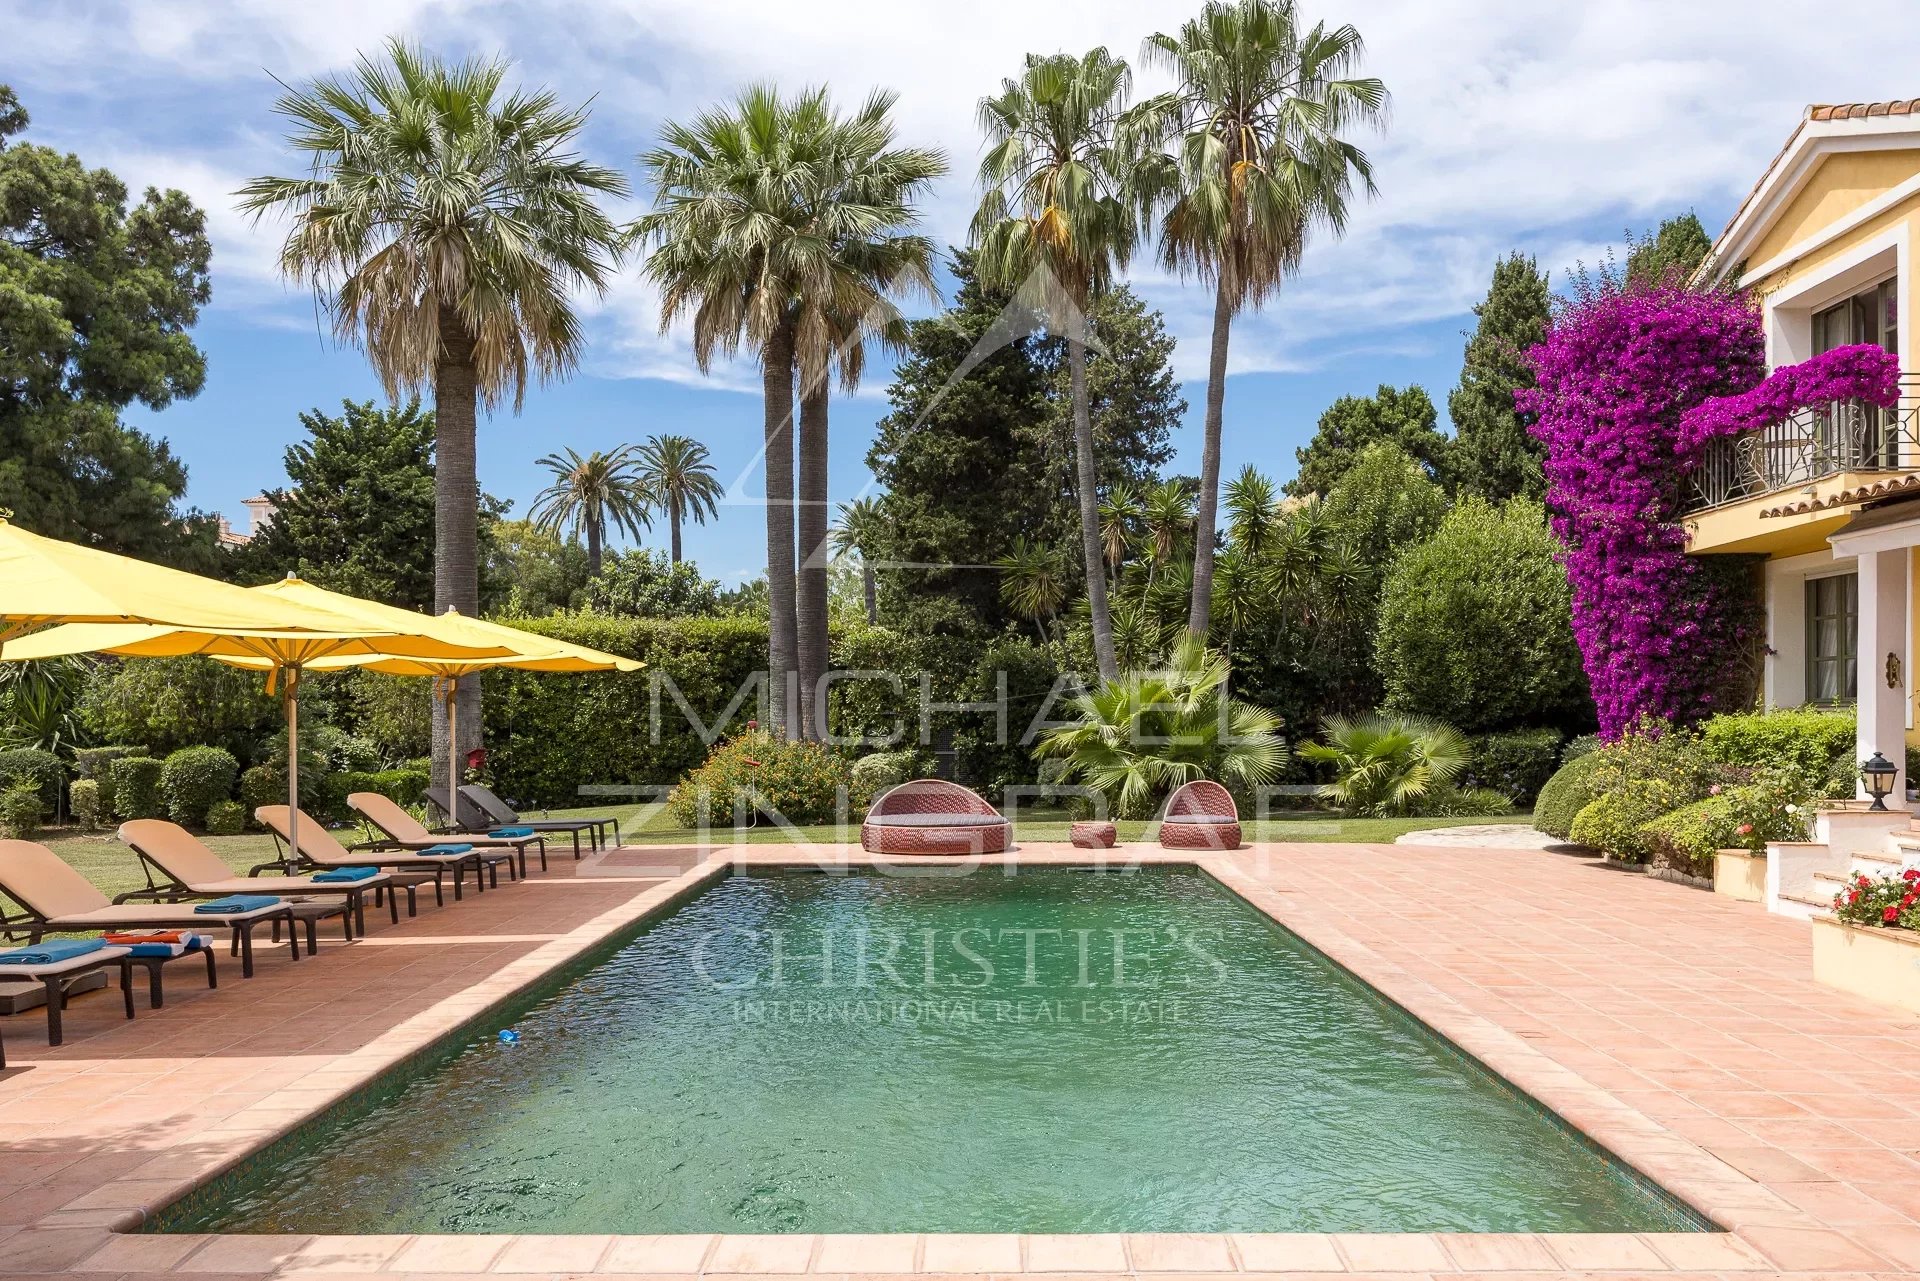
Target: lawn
{"type": "Point", "coordinates": [112, 867]}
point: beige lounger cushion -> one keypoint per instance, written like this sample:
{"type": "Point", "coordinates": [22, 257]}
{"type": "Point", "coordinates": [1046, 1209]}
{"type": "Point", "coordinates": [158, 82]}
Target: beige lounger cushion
{"type": "Point", "coordinates": [407, 831]}
{"type": "Point", "coordinates": [183, 857]}
{"type": "Point", "coordinates": [319, 846]}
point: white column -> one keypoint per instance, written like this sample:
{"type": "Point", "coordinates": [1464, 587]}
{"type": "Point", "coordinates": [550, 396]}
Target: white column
{"type": "Point", "coordinates": [1883, 687]}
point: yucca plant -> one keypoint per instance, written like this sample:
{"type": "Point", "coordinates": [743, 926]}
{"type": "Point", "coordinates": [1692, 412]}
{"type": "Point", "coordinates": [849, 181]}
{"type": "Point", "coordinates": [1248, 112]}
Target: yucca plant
{"type": "Point", "coordinates": [1144, 733]}
{"type": "Point", "coordinates": [1387, 765]}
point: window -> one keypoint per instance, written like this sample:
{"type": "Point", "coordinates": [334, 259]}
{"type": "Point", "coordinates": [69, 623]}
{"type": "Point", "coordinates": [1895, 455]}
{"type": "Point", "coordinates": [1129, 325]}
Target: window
{"type": "Point", "coordinates": [1852, 434]}
{"type": "Point", "coordinates": [1833, 631]}
{"type": "Point", "coordinates": [1870, 316]}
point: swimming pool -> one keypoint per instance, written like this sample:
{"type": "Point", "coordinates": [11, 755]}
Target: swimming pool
{"type": "Point", "coordinates": [1054, 1051]}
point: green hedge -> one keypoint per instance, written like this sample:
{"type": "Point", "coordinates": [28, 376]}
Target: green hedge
{"type": "Point", "coordinates": [194, 779]}
{"type": "Point", "coordinates": [96, 764]}
{"type": "Point", "coordinates": [547, 735]}
{"type": "Point", "coordinates": [1817, 745]}
{"type": "Point", "coordinates": [136, 787]}
{"type": "Point", "coordinates": [326, 797]}
{"type": "Point", "coordinates": [1565, 795]}
{"type": "Point", "coordinates": [1685, 839]}
{"type": "Point", "coordinates": [1516, 765]}
{"type": "Point", "coordinates": [42, 771]}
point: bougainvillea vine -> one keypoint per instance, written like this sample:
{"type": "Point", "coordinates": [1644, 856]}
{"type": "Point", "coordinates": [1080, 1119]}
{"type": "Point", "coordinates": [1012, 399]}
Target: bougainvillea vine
{"type": "Point", "coordinates": [1621, 365]}
{"type": "Point", "coordinates": [1860, 372]}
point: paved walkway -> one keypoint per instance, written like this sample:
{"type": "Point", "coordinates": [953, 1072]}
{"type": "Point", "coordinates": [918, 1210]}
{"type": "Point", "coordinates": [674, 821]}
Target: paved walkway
{"type": "Point", "coordinates": [1682, 1031]}
{"type": "Point", "coordinates": [1486, 836]}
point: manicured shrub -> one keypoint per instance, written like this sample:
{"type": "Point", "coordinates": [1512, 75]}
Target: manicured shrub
{"type": "Point", "coordinates": [136, 787]}
{"type": "Point", "coordinates": [1475, 625]}
{"type": "Point", "coordinates": [1564, 795]}
{"type": "Point", "coordinates": [799, 782]}
{"type": "Point", "coordinates": [193, 779]}
{"type": "Point", "coordinates": [96, 763]}
{"type": "Point", "coordinates": [262, 785]}
{"type": "Point", "coordinates": [1817, 745]}
{"type": "Point", "coordinates": [1579, 746]}
{"type": "Point", "coordinates": [872, 775]}
{"type": "Point", "coordinates": [21, 809]}
{"type": "Point", "coordinates": [329, 795]}
{"type": "Point", "coordinates": [1686, 839]}
{"type": "Point", "coordinates": [226, 818]}
{"type": "Point", "coordinates": [1648, 771]}
{"type": "Point", "coordinates": [83, 799]}
{"type": "Point", "coordinates": [31, 767]}
{"type": "Point", "coordinates": [1516, 765]}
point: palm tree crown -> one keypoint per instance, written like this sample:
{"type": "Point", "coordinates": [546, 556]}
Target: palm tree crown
{"type": "Point", "coordinates": [680, 482]}
{"type": "Point", "coordinates": [437, 208]}
{"type": "Point", "coordinates": [861, 530]}
{"type": "Point", "coordinates": [592, 493]}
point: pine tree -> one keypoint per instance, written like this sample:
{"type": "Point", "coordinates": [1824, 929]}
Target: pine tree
{"type": "Point", "coordinates": [1402, 417]}
{"type": "Point", "coordinates": [1671, 253]}
{"type": "Point", "coordinates": [1492, 454]}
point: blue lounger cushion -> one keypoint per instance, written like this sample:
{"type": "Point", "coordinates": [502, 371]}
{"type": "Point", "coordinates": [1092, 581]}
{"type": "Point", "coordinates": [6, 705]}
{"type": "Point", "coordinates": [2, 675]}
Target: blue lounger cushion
{"type": "Point", "coordinates": [448, 849]}
{"type": "Point", "coordinates": [51, 952]}
{"type": "Point", "coordinates": [338, 874]}
{"type": "Point", "coordinates": [235, 904]}
{"type": "Point", "coordinates": [511, 833]}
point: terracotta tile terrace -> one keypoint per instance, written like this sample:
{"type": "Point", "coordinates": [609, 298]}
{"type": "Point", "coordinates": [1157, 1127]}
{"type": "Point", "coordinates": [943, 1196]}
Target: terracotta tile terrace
{"type": "Point", "coordinates": [1678, 1030]}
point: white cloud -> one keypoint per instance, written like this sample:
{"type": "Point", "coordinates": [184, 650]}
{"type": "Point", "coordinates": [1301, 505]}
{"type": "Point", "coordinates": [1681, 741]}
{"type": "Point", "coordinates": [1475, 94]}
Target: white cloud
{"type": "Point", "coordinates": [1515, 124]}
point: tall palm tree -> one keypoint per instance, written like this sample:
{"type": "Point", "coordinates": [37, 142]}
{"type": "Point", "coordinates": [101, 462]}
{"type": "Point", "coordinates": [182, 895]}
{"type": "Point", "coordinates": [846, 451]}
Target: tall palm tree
{"type": "Point", "coordinates": [446, 225]}
{"type": "Point", "coordinates": [592, 493]}
{"type": "Point", "coordinates": [1258, 124]}
{"type": "Point", "coordinates": [1033, 581]}
{"type": "Point", "coordinates": [767, 233]}
{"type": "Point", "coordinates": [681, 482]}
{"type": "Point", "coordinates": [859, 531]}
{"type": "Point", "coordinates": [863, 209]}
{"type": "Point", "coordinates": [1061, 210]}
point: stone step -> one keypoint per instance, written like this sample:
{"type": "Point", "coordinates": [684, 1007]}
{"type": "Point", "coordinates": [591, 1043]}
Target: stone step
{"type": "Point", "coordinates": [1803, 907]}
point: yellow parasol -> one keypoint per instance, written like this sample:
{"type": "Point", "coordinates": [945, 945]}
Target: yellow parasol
{"type": "Point", "coordinates": [261, 639]}
{"type": "Point", "coordinates": [532, 652]}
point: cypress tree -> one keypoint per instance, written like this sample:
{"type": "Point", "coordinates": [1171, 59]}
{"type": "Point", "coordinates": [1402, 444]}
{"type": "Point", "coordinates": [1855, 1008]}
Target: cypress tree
{"type": "Point", "coordinates": [1492, 454]}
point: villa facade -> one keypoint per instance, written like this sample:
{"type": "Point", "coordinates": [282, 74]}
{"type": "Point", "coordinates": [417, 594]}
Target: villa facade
{"type": "Point", "coordinates": [1828, 239]}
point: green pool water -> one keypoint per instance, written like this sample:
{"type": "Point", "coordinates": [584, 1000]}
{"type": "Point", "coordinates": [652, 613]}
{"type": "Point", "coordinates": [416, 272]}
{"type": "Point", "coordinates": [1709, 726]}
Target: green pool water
{"type": "Point", "coordinates": [1053, 1052]}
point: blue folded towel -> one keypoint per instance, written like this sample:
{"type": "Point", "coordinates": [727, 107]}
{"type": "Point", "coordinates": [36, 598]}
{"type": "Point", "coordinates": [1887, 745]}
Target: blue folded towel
{"type": "Point", "coordinates": [511, 832]}
{"type": "Point", "coordinates": [335, 875]}
{"type": "Point", "coordinates": [50, 953]}
{"type": "Point", "coordinates": [235, 904]}
{"type": "Point", "coordinates": [448, 849]}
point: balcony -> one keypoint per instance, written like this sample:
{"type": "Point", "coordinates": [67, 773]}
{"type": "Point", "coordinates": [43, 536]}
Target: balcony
{"type": "Point", "coordinates": [1811, 445]}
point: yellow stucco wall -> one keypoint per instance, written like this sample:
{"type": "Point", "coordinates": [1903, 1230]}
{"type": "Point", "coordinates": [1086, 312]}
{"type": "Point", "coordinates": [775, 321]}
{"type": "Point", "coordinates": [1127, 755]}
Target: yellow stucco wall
{"type": "Point", "coordinates": [1841, 184]}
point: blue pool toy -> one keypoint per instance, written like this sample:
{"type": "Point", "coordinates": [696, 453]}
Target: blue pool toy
{"type": "Point", "coordinates": [508, 1036]}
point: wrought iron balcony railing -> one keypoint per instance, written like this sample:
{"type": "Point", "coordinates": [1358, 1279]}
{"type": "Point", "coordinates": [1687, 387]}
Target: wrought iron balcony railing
{"type": "Point", "coordinates": [1809, 445]}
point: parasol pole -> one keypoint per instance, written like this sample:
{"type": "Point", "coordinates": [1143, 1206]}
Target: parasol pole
{"type": "Point", "coordinates": [291, 693]}
{"type": "Point", "coordinates": [452, 687]}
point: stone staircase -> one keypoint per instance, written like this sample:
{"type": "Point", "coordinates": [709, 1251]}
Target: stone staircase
{"type": "Point", "coordinates": [1809, 874]}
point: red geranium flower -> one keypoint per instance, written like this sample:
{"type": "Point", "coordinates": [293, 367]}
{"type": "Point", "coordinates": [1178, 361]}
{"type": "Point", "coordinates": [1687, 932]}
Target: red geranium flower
{"type": "Point", "coordinates": [1891, 915]}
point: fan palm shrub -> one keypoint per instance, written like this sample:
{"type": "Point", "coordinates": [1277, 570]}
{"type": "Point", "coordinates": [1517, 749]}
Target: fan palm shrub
{"type": "Point", "coordinates": [1141, 735]}
{"type": "Point", "coordinates": [861, 531]}
{"type": "Point", "coordinates": [1388, 765]}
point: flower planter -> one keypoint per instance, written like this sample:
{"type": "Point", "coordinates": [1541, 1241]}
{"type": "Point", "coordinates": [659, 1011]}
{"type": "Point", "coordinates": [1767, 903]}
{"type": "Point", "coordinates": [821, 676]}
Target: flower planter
{"type": "Point", "coordinates": [1878, 964]}
{"type": "Point", "coordinates": [1740, 874]}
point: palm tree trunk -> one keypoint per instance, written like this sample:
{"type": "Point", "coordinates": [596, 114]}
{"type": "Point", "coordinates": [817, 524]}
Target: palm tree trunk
{"type": "Point", "coordinates": [1198, 614]}
{"type": "Point", "coordinates": [673, 519]}
{"type": "Point", "coordinates": [1089, 501]}
{"type": "Point", "coordinates": [812, 605]}
{"type": "Point", "coordinates": [593, 547]}
{"type": "Point", "coordinates": [869, 588]}
{"type": "Point", "coordinates": [456, 520]}
{"type": "Point", "coordinates": [777, 379]}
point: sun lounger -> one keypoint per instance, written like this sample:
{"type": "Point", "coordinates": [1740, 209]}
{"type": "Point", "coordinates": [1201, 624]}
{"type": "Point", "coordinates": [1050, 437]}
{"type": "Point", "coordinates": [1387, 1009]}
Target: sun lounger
{"type": "Point", "coordinates": [188, 869]}
{"type": "Point", "coordinates": [59, 967]}
{"type": "Point", "coordinates": [933, 816]}
{"type": "Point", "coordinates": [320, 850]}
{"type": "Point", "coordinates": [59, 900]}
{"type": "Point", "coordinates": [402, 830]}
{"type": "Point", "coordinates": [501, 814]}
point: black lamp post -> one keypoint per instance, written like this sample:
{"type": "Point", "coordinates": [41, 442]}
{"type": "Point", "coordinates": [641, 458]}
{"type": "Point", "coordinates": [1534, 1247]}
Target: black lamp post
{"type": "Point", "coordinates": [1878, 774]}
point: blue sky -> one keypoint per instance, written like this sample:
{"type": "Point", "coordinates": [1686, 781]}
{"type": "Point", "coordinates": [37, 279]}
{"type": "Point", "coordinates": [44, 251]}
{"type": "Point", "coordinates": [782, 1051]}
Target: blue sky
{"type": "Point", "coordinates": [1549, 128]}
